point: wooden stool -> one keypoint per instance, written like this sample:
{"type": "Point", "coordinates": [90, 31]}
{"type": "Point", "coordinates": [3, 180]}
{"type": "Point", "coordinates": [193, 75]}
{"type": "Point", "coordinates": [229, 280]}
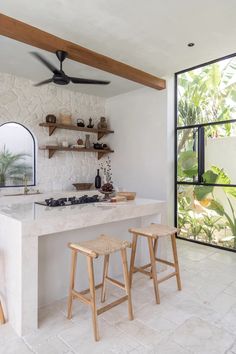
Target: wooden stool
{"type": "Point", "coordinates": [2, 318]}
{"type": "Point", "coordinates": [102, 246]}
{"type": "Point", "coordinates": [153, 233]}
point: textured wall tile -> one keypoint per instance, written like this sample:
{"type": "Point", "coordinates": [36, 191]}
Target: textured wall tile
{"type": "Point", "coordinates": [21, 102]}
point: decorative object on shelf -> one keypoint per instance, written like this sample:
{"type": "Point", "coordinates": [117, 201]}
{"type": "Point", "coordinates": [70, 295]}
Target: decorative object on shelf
{"type": "Point", "coordinates": [50, 118]}
{"type": "Point", "coordinates": [80, 143]}
{"type": "Point", "coordinates": [65, 144]}
{"type": "Point", "coordinates": [87, 141]}
{"type": "Point", "coordinates": [82, 186]}
{"type": "Point", "coordinates": [90, 125]}
{"type": "Point", "coordinates": [80, 123]}
{"type": "Point", "coordinates": [97, 146]}
{"type": "Point", "coordinates": [106, 170]}
{"type": "Point", "coordinates": [98, 180]}
{"type": "Point", "coordinates": [102, 124]}
{"type": "Point", "coordinates": [65, 119]}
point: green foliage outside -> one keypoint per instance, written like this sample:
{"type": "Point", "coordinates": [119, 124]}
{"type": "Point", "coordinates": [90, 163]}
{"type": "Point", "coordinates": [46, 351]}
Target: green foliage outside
{"type": "Point", "coordinates": [13, 168]}
{"type": "Point", "coordinates": [206, 213]}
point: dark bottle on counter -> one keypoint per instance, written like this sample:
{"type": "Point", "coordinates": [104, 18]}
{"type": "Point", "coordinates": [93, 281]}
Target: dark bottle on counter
{"type": "Point", "coordinates": [98, 181]}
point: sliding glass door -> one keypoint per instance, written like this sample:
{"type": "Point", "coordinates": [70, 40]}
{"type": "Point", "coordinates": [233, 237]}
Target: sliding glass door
{"type": "Point", "coordinates": [205, 148]}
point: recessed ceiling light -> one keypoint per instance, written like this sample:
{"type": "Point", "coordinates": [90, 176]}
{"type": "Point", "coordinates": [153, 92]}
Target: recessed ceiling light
{"type": "Point", "coordinates": [191, 44]}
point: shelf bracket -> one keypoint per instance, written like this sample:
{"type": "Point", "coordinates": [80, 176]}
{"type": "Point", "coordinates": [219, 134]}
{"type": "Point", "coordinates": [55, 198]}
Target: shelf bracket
{"type": "Point", "coordinates": [100, 155]}
{"type": "Point", "coordinates": [51, 153]}
{"type": "Point", "coordinates": [101, 135]}
{"type": "Point", "coordinates": [51, 130]}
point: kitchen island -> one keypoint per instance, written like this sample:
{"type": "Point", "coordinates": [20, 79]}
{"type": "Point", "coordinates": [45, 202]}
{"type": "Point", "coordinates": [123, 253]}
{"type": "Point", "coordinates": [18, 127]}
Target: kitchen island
{"type": "Point", "coordinates": [35, 260]}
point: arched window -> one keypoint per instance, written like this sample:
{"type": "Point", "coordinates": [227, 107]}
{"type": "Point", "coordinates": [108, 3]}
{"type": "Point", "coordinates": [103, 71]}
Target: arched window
{"type": "Point", "coordinates": [17, 155]}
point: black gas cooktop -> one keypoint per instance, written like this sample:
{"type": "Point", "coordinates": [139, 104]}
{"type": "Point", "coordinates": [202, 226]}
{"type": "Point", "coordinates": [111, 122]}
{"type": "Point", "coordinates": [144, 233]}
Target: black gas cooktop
{"type": "Point", "coordinates": [84, 199]}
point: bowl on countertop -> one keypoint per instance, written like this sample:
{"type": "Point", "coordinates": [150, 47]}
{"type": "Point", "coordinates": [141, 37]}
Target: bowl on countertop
{"type": "Point", "coordinates": [82, 186]}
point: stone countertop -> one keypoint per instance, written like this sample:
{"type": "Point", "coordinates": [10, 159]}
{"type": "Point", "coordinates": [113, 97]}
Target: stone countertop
{"type": "Point", "coordinates": [40, 220]}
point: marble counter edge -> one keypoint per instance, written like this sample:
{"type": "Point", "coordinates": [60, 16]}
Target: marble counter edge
{"type": "Point", "coordinates": [72, 222]}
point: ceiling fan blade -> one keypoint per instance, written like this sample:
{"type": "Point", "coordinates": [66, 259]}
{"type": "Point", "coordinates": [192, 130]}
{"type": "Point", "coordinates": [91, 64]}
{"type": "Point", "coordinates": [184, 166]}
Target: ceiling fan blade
{"type": "Point", "coordinates": [46, 62]}
{"type": "Point", "coordinates": [43, 82]}
{"type": "Point", "coordinates": [77, 80]}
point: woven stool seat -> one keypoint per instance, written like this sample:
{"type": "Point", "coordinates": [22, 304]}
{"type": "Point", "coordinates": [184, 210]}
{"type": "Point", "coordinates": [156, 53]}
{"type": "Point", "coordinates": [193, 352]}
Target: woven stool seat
{"type": "Point", "coordinates": [101, 246]}
{"type": "Point", "coordinates": [154, 230]}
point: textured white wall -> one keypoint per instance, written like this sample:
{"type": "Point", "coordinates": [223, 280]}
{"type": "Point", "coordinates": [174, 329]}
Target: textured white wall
{"type": "Point", "coordinates": [139, 119]}
{"type": "Point", "coordinates": [28, 105]}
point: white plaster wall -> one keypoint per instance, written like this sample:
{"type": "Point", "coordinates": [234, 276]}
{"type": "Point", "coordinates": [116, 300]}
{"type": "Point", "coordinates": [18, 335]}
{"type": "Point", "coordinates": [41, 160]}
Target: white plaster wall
{"type": "Point", "coordinates": [140, 163]}
{"type": "Point", "coordinates": [220, 152]}
{"type": "Point", "coordinates": [21, 102]}
{"type": "Point", "coordinates": [170, 154]}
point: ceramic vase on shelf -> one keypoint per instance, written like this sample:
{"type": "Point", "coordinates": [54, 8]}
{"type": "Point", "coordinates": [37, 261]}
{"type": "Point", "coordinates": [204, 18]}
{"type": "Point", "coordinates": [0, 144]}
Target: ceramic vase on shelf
{"type": "Point", "coordinates": [102, 123]}
{"type": "Point", "coordinates": [87, 141]}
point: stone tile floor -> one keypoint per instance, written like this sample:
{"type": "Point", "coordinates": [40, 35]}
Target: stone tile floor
{"type": "Point", "coordinates": [199, 319]}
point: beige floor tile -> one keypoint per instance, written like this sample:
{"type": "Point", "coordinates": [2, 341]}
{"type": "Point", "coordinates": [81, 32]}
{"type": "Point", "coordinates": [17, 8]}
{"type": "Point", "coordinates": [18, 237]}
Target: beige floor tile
{"type": "Point", "coordinates": [15, 346]}
{"type": "Point", "coordinates": [144, 334]}
{"type": "Point", "coordinates": [6, 334]}
{"type": "Point", "coordinates": [169, 347]}
{"type": "Point", "coordinates": [232, 349]}
{"type": "Point", "coordinates": [224, 257]}
{"type": "Point", "coordinates": [112, 339]}
{"type": "Point", "coordinates": [53, 345]}
{"type": "Point", "coordinates": [231, 289]}
{"type": "Point", "coordinates": [228, 321]}
{"type": "Point", "coordinates": [201, 337]}
{"type": "Point", "coordinates": [50, 326]}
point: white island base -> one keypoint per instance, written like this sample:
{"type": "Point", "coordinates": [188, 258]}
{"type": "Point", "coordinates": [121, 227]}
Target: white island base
{"type": "Point", "coordinates": [35, 259]}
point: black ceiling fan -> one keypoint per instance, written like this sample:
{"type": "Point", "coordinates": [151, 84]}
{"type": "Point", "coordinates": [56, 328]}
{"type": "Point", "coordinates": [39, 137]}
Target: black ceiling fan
{"type": "Point", "coordinates": [59, 77]}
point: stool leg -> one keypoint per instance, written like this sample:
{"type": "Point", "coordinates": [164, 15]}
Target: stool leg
{"type": "Point", "coordinates": [132, 259]}
{"type": "Point", "coordinates": [2, 318]}
{"type": "Point", "coordinates": [153, 270]}
{"type": "Point", "coordinates": [176, 262]}
{"type": "Point", "coordinates": [155, 251]}
{"type": "Point", "coordinates": [127, 282]}
{"type": "Point", "coordinates": [93, 297]}
{"type": "Point", "coordinates": [105, 274]}
{"type": "Point", "coordinates": [72, 283]}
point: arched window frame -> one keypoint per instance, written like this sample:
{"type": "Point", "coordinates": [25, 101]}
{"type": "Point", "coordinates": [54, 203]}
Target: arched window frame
{"type": "Point", "coordinates": [34, 155]}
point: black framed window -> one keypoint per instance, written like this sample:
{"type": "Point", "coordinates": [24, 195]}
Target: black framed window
{"type": "Point", "coordinates": [17, 155]}
{"type": "Point", "coordinates": [205, 147]}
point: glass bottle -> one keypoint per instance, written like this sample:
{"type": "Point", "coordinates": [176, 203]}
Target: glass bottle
{"type": "Point", "coordinates": [98, 181]}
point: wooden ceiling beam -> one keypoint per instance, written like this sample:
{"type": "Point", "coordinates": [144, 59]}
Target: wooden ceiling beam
{"type": "Point", "coordinates": [22, 32]}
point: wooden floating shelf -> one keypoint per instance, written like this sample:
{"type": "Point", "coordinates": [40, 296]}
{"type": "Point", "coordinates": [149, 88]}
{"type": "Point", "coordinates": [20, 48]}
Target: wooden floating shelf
{"type": "Point", "coordinates": [53, 126]}
{"type": "Point", "coordinates": [53, 148]}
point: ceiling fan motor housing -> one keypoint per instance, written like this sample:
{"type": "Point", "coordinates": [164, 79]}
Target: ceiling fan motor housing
{"type": "Point", "coordinates": [61, 79]}
{"type": "Point", "coordinates": [61, 55]}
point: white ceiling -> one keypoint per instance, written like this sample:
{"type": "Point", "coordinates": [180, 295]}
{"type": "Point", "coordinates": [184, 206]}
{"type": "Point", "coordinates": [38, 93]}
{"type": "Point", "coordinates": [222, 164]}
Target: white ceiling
{"type": "Point", "coordinates": [15, 58]}
{"type": "Point", "coordinates": [151, 35]}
